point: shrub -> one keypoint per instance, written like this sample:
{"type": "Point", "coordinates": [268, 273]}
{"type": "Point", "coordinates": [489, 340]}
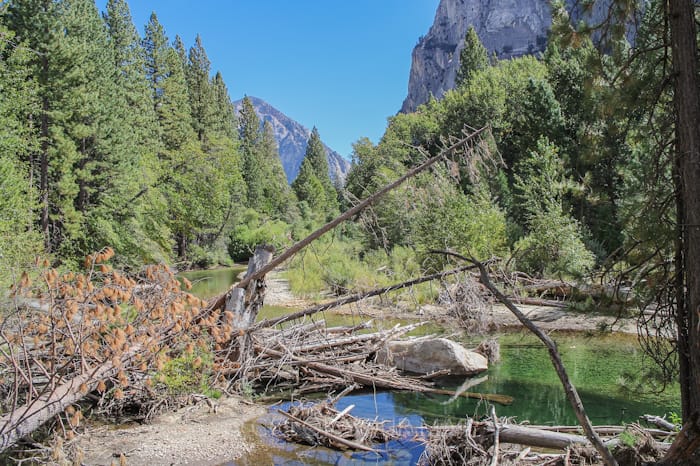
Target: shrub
{"type": "Point", "coordinates": [254, 230]}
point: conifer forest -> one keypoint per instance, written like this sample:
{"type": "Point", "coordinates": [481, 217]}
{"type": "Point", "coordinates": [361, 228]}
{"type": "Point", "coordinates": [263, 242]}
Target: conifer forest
{"type": "Point", "coordinates": [567, 178]}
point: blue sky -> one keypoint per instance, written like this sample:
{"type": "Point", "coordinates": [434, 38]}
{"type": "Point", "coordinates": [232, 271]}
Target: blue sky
{"type": "Point", "coordinates": [339, 65]}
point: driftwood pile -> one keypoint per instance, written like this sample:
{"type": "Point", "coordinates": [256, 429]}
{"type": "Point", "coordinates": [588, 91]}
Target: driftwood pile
{"type": "Point", "coordinates": [321, 424]}
{"type": "Point", "coordinates": [493, 441]}
{"type": "Point", "coordinates": [309, 357]}
{"type": "Point", "coordinates": [489, 441]}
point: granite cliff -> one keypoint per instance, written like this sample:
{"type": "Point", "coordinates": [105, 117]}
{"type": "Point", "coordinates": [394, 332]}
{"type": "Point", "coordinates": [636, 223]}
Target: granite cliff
{"type": "Point", "coordinates": [292, 137]}
{"type": "Point", "coordinates": [510, 28]}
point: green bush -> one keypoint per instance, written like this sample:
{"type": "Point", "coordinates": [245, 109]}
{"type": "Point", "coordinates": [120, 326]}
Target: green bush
{"type": "Point", "coordinates": [554, 242]}
{"type": "Point", "coordinates": [554, 246]}
{"type": "Point", "coordinates": [254, 230]}
{"type": "Point", "coordinates": [189, 373]}
{"type": "Point", "coordinates": [469, 224]}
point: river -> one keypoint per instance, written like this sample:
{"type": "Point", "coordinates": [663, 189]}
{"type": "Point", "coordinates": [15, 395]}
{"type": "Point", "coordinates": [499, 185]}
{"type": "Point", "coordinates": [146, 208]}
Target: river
{"type": "Point", "coordinates": [607, 370]}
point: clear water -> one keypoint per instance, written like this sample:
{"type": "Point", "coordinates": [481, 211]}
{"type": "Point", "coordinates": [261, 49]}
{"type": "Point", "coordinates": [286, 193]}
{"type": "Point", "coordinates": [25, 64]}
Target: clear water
{"type": "Point", "coordinates": [209, 283]}
{"type": "Point", "coordinates": [602, 367]}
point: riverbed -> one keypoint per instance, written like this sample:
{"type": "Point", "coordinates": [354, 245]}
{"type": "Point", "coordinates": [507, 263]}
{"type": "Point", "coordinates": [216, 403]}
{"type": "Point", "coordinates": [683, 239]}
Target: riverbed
{"type": "Point", "coordinates": [608, 369]}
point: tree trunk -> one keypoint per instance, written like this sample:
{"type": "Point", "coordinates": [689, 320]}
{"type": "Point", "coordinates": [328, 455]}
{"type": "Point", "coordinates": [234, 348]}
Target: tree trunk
{"type": "Point", "coordinates": [44, 165]}
{"type": "Point", "coordinates": [23, 421]}
{"type": "Point", "coordinates": [245, 303]}
{"type": "Point", "coordinates": [687, 107]}
{"type": "Point", "coordinates": [181, 246]}
{"type": "Point", "coordinates": [685, 450]}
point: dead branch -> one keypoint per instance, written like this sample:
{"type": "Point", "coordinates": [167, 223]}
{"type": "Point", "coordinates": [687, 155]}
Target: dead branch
{"type": "Point", "coordinates": [569, 389]}
{"type": "Point", "coordinates": [219, 301]}
{"type": "Point", "coordinates": [358, 297]}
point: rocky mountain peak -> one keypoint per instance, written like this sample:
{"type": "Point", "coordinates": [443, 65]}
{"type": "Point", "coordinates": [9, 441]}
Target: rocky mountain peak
{"type": "Point", "coordinates": [291, 137]}
{"type": "Point", "coordinates": [510, 28]}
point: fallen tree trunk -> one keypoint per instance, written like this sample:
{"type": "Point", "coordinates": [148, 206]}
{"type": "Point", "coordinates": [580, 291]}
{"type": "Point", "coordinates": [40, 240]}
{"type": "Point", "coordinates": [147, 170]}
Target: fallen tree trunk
{"type": "Point", "coordinates": [23, 421]}
{"type": "Point", "coordinates": [537, 437]}
{"type": "Point", "coordinates": [357, 297]}
{"type": "Point", "coordinates": [659, 422]}
{"type": "Point", "coordinates": [539, 302]}
{"type": "Point", "coordinates": [219, 301]}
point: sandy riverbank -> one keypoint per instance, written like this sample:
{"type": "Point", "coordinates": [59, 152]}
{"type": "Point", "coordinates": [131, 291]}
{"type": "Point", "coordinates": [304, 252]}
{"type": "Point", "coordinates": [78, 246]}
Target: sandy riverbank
{"type": "Point", "coordinates": [197, 436]}
{"type": "Point", "coordinates": [190, 436]}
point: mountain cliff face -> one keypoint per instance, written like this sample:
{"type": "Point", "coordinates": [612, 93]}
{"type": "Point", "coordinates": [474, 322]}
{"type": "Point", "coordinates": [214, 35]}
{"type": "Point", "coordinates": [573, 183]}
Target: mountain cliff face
{"type": "Point", "coordinates": [292, 137]}
{"type": "Point", "coordinates": [511, 28]}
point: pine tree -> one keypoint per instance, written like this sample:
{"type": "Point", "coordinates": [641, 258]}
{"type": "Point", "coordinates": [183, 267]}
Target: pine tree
{"type": "Point", "coordinates": [472, 58]}
{"type": "Point", "coordinates": [199, 89]}
{"type": "Point", "coordinates": [151, 237]}
{"type": "Point", "coordinates": [309, 189]}
{"type": "Point", "coordinates": [20, 242]}
{"type": "Point", "coordinates": [130, 60]}
{"type": "Point", "coordinates": [179, 47]}
{"type": "Point", "coordinates": [35, 23]}
{"type": "Point", "coordinates": [83, 163]}
{"type": "Point", "coordinates": [249, 132]}
{"type": "Point", "coordinates": [224, 115]}
{"type": "Point", "coordinates": [276, 190]}
{"type": "Point", "coordinates": [318, 160]}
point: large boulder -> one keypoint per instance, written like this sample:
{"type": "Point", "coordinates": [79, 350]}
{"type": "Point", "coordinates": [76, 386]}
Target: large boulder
{"type": "Point", "coordinates": [427, 355]}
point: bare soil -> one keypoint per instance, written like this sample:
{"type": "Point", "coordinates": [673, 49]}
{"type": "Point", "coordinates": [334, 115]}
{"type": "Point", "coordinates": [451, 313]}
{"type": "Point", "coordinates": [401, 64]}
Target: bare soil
{"type": "Point", "coordinates": [194, 435]}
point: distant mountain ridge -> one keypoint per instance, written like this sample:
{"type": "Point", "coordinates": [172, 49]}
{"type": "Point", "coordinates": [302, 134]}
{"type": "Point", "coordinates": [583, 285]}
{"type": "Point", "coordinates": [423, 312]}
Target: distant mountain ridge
{"type": "Point", "coordinates": [292, 137]}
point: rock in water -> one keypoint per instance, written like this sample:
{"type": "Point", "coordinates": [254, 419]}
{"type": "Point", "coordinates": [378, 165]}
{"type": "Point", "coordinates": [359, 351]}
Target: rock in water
{"type": "Point", "coordinates": [427, 355]}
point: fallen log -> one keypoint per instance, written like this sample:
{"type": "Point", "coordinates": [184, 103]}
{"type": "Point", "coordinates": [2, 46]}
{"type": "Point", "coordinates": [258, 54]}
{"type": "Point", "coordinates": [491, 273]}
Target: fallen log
{"type": "Point", "coordinates": [23, 421]}
{"type": "Point", "coordinates": [537, 437]}
{"type": "Point", "coordinates": [402, 383]}
{"type": "Point", "coordinates": [659, 422]}
{"type": "Point", "coordinates": [539, 302]}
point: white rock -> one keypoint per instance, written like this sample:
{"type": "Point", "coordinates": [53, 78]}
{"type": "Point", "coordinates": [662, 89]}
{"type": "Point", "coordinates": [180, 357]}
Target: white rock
{"type": "Point", "coordinates": [424, 356]}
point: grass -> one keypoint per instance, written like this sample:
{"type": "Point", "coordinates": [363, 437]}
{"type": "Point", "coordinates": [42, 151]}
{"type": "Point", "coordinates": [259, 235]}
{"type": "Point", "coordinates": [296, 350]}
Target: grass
{"type": "Point", "coordinates": [340, 267]}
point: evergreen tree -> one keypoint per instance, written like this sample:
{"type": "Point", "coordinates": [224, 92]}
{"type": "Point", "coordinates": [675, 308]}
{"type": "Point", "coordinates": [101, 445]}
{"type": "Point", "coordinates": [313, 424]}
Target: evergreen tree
{"type": "Point", "coordinates": [130, 60]}
{"type": "Point", "coordinates": [20, 242]}
{"type": "Point", "coordinates": [200, 92]}
{"type": "Point", "coordinates": [276, 190]}
{"type": "Point", "coordinates": [36, 24]}
{"type": "Point", "coordinates": [249, 132]}
{"type": "Point", "coordinates": [151, 239]}
{"type": "Point", "coordinates": [472, 58]}
{"type": "Point", "coordinates": [318, 160]}
{"type": "Point", "coordinates": [84, 165]}
{"type": "Point", "coordinates": [554, 243]}
{"type": "Point", "coordinates": [155, 44]}
{"type": "Point", "coordinates": [309, 189]}
{"type": "Point", "coordinates": [224, 114]}
{"type": "Point", "coordinates": [179, 47]}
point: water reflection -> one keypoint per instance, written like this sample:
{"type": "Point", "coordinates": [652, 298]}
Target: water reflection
{"type": "Point", "coordinates": [209, 283]}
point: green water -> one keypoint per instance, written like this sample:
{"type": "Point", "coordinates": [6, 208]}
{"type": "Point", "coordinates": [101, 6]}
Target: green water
{"type": "Point", "coordinates": [604, 369]}
{"type": "Point", "coordinates": [209, 283]}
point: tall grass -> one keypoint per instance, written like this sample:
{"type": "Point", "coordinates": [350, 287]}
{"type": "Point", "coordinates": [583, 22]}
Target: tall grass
{"type": "Point", "coordinates": [339, 266]}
